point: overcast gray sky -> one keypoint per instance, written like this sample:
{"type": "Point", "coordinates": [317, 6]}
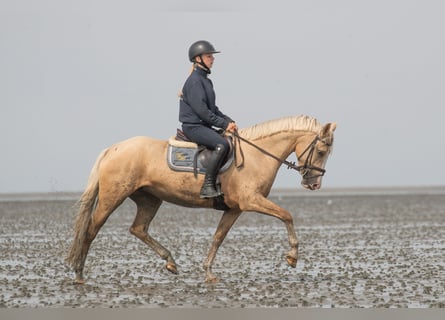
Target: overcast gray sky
{"type": "Point", "coordinates": [78, 76]}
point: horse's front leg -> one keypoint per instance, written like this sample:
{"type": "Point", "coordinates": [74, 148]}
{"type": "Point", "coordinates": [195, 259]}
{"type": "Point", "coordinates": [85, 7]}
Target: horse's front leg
{"type": "Point", "coordinates": [265, 206]}
{"type": "Point", "coordinates": [292, 255]}
{"type": "Point", "coordinates": [227, 220]}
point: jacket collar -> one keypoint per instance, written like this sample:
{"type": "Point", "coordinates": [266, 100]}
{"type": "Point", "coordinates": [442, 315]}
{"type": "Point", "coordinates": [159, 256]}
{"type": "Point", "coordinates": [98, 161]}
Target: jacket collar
{"type": "Point", "coordinates": [201, 72]}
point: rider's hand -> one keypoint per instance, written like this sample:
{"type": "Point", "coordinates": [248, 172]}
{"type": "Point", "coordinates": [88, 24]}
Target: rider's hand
{"type": "Point", "coordinates": [232, 127]}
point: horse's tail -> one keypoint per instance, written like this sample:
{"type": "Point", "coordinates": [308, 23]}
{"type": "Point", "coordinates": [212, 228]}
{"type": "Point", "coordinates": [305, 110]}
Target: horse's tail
{"type": "Point", "coordinates": [87, 204]}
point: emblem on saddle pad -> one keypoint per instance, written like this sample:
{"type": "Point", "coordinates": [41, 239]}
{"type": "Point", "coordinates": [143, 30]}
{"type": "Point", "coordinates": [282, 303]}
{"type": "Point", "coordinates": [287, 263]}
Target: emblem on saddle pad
{"type": "Point", "coordinates": [188, 156]}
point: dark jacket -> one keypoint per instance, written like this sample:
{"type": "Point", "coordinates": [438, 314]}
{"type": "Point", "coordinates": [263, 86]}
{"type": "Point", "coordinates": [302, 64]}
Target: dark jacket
{"type": "Point", "coordinates": [197, 104]}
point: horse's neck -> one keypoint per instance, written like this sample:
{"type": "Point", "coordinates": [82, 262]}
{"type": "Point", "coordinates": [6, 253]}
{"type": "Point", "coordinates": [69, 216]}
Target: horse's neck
{"type": "Point", "coordinates": [281, 144]}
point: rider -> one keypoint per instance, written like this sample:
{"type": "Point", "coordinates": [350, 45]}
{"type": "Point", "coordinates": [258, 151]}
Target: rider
{"type": "Point", "coordinates": [200, 115]}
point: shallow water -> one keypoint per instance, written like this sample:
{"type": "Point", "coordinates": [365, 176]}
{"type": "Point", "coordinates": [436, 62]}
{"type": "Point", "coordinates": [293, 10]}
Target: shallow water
{"type": "Point", "coordinates": [366, 248]}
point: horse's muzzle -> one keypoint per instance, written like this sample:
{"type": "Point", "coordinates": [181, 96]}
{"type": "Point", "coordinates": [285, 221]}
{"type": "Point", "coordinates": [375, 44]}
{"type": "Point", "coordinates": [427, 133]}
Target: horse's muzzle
{"type": "Point", "coordinates": [313, 183]}
{"type": "Point", "coordinates": [312, 186]}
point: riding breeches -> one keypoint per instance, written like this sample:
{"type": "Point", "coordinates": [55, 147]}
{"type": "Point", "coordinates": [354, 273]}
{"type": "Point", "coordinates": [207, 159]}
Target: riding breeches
{"type": "Point", "coordinates": [204, 136]}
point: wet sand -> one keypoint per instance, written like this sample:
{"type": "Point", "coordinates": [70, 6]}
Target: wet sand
{"type": "Point", "coordinates": [358, 248]}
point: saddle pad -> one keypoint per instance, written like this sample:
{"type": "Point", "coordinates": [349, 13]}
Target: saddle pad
{"type": "Point", "coordinates": [181, 157]}
{"type": "Point", "coordinates": [182, 144]}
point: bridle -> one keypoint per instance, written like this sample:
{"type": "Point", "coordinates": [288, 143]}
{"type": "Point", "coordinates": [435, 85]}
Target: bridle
{"type": "Point", "coordinates": [303, 169]}
{"type": "Point", "coordinates": [307, 166]}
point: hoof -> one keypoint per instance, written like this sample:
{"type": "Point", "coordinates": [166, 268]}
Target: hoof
{"type": "Point", "coordinates": [79, 281]}
{"type": "Point", "coordinates": [291, 261]}
{"type": "Point", "coordinates": [171, 267]}
{"type": "Point", "coordinates": [211, 279]}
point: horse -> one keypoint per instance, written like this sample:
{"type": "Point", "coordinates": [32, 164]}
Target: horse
{"type": "Point", "coordinates": [137, 169]}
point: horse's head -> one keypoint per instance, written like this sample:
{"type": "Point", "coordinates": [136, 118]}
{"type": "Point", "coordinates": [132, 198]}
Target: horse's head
{"type": "Point", "coordinates": [312, 157]}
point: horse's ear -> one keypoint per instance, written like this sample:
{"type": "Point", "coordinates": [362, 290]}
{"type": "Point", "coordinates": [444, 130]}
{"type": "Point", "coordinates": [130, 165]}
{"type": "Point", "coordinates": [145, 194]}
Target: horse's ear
{"type": "Point", "coordinates": [328, 129]}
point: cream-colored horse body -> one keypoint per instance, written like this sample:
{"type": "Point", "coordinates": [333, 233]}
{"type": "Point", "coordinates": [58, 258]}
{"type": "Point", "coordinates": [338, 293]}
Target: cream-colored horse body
{"type": "Point", "coordinates": [137, 168]}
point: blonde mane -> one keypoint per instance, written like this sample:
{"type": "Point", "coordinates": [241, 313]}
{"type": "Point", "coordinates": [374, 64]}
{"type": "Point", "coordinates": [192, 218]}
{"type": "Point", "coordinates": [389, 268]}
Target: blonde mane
{"type": "Point", "coordinates": [286, 124]}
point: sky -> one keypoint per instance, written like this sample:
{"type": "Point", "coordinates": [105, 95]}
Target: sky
{"type": "Point", "coordinates": [78, 76]}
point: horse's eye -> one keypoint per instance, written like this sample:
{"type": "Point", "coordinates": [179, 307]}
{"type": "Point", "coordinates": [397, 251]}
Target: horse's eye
{"type": "Point", "coordinates": [321, 153]}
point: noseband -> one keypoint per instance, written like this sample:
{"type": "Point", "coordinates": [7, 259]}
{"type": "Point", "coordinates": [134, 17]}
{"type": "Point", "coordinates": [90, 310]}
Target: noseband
{"type": "Point", "coordinates": [303, 170]}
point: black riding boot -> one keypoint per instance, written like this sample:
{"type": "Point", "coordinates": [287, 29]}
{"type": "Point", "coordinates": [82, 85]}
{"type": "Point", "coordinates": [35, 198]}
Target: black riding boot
{"type": "Point", "coordinates": [208, 189]}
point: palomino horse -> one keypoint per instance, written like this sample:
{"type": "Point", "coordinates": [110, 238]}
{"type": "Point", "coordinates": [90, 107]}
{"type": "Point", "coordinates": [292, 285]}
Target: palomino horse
{"type": "Point", "coordinates": [137, 168]}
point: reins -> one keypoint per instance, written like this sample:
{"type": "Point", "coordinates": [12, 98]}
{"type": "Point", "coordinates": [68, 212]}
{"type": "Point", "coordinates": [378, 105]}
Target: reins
{"type": "Point", "coordinates": [304, 169]}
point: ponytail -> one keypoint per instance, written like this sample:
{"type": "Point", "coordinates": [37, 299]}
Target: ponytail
{"type": "Point", "coordinates": [191, 71]}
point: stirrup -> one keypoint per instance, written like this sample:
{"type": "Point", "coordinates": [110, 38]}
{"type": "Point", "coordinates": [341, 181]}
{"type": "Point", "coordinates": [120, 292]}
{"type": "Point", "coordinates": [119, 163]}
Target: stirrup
{"type": "Point", "coordinates": [208, 194]}
{"type": "Point", "coordinates": [209, 191]}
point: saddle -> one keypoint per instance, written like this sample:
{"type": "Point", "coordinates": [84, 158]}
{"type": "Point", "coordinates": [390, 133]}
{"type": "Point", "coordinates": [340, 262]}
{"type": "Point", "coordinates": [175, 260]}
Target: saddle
{"type": "Point", "coordinates": [185, 155]}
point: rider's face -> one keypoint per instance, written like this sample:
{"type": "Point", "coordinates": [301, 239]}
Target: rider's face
{"type": "Point", "coordinates": [208, 59]}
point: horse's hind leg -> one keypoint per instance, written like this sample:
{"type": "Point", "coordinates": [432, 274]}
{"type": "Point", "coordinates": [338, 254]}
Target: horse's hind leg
{"type": "Point", "coordinates": [103, 210]}
{"type": "Point", "coordinates": [227, 220]}
{"type": "Point", "coordinates": [147, 206]}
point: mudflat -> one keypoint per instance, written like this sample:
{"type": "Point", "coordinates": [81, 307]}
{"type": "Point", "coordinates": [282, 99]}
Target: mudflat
{"type": "Point", "coordinates": [358, 248]}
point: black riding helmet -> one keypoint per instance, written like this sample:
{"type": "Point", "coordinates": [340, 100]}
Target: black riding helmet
{"type": "Point", "coordinates": [199, 48]}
